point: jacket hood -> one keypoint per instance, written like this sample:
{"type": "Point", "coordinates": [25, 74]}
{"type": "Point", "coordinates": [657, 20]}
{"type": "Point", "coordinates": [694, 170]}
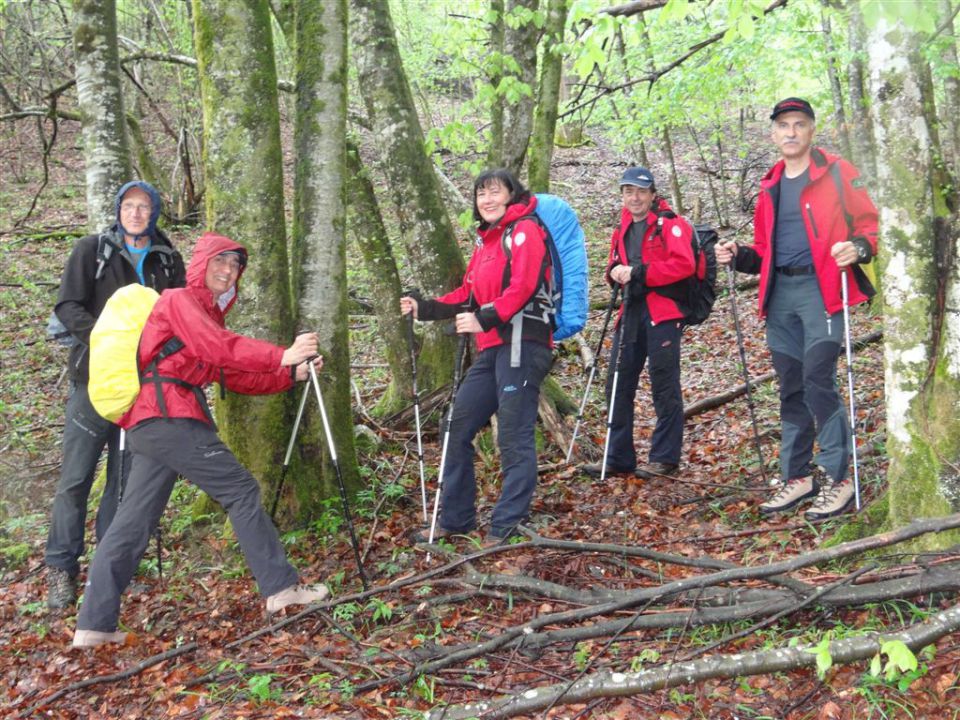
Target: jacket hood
{"type": "Point", "coordinates": [209, 246]}
{"type": "Point", "coordinates": [820, 162]}
{"type": "Point", "coordinates": [155, 204]}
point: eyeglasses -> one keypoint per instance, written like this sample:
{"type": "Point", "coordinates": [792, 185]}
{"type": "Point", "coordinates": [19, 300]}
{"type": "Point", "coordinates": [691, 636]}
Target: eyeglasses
{"type": "Point", "coordinates": [135, 208]}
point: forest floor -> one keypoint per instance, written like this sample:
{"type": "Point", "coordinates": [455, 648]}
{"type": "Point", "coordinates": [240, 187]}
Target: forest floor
{"type": "Point", "coordinates": [195, 624]}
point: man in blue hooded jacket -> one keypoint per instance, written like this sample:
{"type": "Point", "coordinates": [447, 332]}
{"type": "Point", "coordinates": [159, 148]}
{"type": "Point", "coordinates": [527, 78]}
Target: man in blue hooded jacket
{"type": "Point", "coordinates": [129, 251]}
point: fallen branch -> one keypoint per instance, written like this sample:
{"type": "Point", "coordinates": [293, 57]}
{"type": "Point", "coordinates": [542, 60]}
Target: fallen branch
{"type": "Point", "coordinates": [615, 684]}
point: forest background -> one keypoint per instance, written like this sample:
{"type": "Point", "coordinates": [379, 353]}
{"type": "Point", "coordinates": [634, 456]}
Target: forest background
{"type": "Point", "coordinates": [338, 141]}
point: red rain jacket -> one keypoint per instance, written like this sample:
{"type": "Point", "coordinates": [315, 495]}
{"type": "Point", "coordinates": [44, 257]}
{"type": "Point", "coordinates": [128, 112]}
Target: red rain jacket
{"type": "Point", "coordinates": [666, 256]}
{"type": "Point", "coordinates": [529, 269]}
{"type": "Point", "coordinates": [251, 367]}
{"type": "Point", "coordinates": [824, 217]}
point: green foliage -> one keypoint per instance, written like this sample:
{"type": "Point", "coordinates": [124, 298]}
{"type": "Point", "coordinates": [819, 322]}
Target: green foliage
{"type": "Point", "coordinates": [261, 689]}
{"type": "Point", "coordinates": [822, 652]}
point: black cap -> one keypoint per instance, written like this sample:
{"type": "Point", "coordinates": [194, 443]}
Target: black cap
{"type": "Point", "coordinates": [240, 255]}
{"type": "Point", "coordinates": [792, 104]}
{"type": "Point", "coordinates": [637, 176]}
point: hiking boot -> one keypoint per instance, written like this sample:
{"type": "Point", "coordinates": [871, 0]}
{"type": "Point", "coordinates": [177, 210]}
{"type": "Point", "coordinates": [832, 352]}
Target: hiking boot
{"type": "Point", "coordinates": [656, 469]}
{"type": "Point", "coordinates": [95, 638]}
{"type": "Point", "coordinates": [834, 499]}
{"type": "Point", "coordinates": [296, 595]}
{"type": "Point", "coordinates": [421, 536]}
{"type": "Point", "coordinates": [793, 491]}
{"type": "Point", "coordinates": [61, 589]}
{"type": "Point", "coordinates": [594, 470]}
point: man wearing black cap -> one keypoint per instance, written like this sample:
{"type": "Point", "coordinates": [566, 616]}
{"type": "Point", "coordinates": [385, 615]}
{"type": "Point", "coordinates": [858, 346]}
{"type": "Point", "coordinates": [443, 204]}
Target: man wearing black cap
{"type": "Point", "coordinates": [649, 252]}
{"type": "Point", "coordinates": [129, 251]}
{"type": "Point", "coordinates": [813, 221]}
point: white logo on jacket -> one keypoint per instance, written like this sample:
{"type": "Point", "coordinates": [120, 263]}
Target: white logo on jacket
{"type": "Point", "coordinates": [519, 238]}
{"type": "Point", "coordinates": [677, 232]}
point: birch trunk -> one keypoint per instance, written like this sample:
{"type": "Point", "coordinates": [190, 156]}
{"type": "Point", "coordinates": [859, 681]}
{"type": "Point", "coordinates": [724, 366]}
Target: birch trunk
{"type": "Point", "coordinates": [436, 259]}
{"type": "Point", "coordinates": [318, 272]}
{"type": "Point", "coordinates": [921, 338]}
{"type": "Point", "coordinates": [244, 200]}
{"type": "Point", "coordinates": [106, 150]}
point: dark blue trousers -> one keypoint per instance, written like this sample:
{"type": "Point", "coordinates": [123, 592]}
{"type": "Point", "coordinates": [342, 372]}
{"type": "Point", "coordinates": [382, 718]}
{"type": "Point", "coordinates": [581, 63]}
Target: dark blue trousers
{"type": "Point", "coordinates": [660, 344]}
{"type": "Point", "coordinates": [492, 386]}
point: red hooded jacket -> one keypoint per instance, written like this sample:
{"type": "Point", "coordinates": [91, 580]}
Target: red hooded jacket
{"type": "Point", "coordinates": [529, 269]}
{"type": "Point", "coordinates": [251, 367]}
{"type": "Point", "coordinates": [825, 217]}
{"type": "Point", "coordinates": [666, 255]}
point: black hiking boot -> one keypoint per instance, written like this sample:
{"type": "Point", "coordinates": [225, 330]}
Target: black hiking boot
{"type": "Point", "coordinates": [61, 589]}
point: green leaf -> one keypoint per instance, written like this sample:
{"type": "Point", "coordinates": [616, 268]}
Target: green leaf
{"type": "Point", "coordinates": [876, 666]}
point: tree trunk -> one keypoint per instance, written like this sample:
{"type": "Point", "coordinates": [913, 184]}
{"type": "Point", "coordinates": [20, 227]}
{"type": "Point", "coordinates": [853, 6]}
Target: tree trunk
{"type": "Point", "coordinates": [495, 150]}
{"type": "Point", "coordinates": [412, 183]}
{"type": "Point", "coordinates": [548, 98]}
{"type": "Point", "coordinates": [370, 235]}
{"type": "Point", "coordinates": [244, 200]}
{"type": "Point", "coordinates": [319, 275]}
{"type": "Point", "coordinates": [106, 150]}
{"type": "Point", "coordinates": [519, 43]}
{"type": "Point", "coordinates": [864, 153]}
{"type": "Point", "coordinates": [833, 73]}
{"type": "Point", "coordinates": [950, 108]}
{"type": "Point", "coordinates": [921, 338]}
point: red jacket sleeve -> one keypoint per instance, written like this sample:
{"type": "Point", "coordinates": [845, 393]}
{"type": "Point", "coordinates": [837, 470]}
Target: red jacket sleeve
{"type": "Point", "coordinates": [258, 383]}
{"type": "Point", "coordinates": [205, 339]}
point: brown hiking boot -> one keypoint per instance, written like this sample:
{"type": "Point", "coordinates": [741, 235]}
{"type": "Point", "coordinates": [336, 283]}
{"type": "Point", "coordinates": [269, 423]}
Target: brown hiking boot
{"type": "Point", "coordinates": [594, 470]}
{"type": "Point", "coordinates": [421, 536]}
{"type": "Point", "coordinates": [61, 589]}
{"type": "Point", "coordinates": [834, 499]}
{"type": "Point", "coordinates": [791, 493]}
{"type": "Point", "coordinates": [656, 469]}
{"type": "Point", "coordinates": [296, 595]}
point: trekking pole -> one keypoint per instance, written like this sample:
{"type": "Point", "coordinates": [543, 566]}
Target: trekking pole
{"type": "Point", "coordinates": [457, 373]}
{"type": "Point", "coordinates": [616, 377]}
{"type": "Point", "coordinates": [593, 370]}
{"type": "Point", "coordinates": [853, 410]}
{"type": "Point", "coordinates": [746, 374]}
{"type": "Point", "coordinates": [286, 459]}
{"type": "Point", "coordinates": [416, 415]}
{"type": "Point", "coordinates": [336, 468]}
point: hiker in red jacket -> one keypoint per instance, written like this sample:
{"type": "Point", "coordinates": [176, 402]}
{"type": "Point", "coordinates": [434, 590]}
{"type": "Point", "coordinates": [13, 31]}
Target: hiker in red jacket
{"type": "Point", "coordinates": [505, 304]}
{"type": "Point", "coordinates": [650, 251]}
{"type": "Point", "coordinates": [813, 221]}
{"type": "Point", "coordinates": [171, 432]}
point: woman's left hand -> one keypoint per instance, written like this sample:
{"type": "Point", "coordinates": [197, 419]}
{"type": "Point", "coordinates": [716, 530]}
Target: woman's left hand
{"type": "Point", "coordinates": [467, 323]}
{"type": "Point", "coordinates": [303, 369]}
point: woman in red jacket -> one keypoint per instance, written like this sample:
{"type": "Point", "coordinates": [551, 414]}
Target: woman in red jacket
{"type": "Point", "coordinates": [504, 303]}
{"type": "Point", "coordinates": [171, 433]}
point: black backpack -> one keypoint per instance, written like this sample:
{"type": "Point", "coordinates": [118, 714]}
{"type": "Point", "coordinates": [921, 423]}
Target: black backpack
{"type": "Point", "coordinates": [697, 294]}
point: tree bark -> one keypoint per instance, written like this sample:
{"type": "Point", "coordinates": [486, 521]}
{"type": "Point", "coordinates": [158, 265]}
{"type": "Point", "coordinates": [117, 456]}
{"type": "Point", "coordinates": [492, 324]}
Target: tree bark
{"type": "Point", "coordinates": [520, 43]}
{"type": "Point", "coordinates": [921, 337]}
{"type": "Point", "coordinates": [319, 275]}
{"type": "Point", "coordinates": [833, 74]}
{"type": "Point", "coordinates": [548, 98]}
{"type": "Point", "coordinates": [370, 235]}
{"type": "Point", "coordinates": [495, 149]}
{"type": "Point", "coordinates": [951, 89]}
{"type": "Point", "coordinates": [862, 142]}
{"type": "Point", "coordinates": [412, 183]}
{"type": "Point", "coordinates": [244, 200]}
{"type": "Point", "coordinates": [106, 149]}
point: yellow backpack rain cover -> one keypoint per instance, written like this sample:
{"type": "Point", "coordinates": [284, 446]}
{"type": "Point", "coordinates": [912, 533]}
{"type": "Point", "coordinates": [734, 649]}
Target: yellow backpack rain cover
{"type": "Point", "coordinates": [114, 377]}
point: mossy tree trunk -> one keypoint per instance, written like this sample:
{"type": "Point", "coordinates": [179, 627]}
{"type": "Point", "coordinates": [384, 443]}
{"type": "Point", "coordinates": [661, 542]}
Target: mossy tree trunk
{"type": "Point", "coordinates": [366, 225]}
{"type": "Point", "coordinates": [862, 143]}
{"type": "Point", "coordinates": [106, 150]}
{"type": "Point", "coordinates": [431, 247]}
{"type": "Point", "coordinates": [496, 60]}
{"type": "Point", "coordinates": [921, 335]}
{"type": "Point", "coordinates": [520, 38]}
{"type": "Point", "coordinates": [244, 200]}
{"type": "Point", "coordinates": [548, 98]}
{"type": "Point", "coordinates": [318, 274]}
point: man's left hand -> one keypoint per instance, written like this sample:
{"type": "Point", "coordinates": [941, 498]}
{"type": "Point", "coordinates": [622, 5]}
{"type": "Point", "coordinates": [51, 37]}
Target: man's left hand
{"type": "Point", "coordinates": [467, 323]}
{"type": "Point", "coordinates": [303, 369]}
{"type": "Point", "coordinates": [621, 274]}
{"type": "Point", "coordinates": [844, 253]}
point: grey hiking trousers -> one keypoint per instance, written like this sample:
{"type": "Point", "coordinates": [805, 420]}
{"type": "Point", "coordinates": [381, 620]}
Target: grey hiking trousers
{"type": "Point", "coordinates": [805, 343]}
{"type": "Point", "coordinates": [164, 449]}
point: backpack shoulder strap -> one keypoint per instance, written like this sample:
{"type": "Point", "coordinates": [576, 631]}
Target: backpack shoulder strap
{"type": "Point", "coordinates": [838, 181]}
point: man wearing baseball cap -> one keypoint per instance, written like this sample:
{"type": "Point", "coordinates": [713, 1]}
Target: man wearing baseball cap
{"type": "Point", "coordinates": [813, 221]}
{"type": "Point", "coordinates": [650, 251]}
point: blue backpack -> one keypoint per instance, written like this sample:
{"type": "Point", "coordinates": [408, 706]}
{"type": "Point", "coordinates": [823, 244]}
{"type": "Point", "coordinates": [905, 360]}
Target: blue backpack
{"type": "Point", "coordinates": [568, 258]}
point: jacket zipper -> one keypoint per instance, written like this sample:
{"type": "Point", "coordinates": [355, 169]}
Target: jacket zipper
{"type": "Point", "coordinates": [813, 223]}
